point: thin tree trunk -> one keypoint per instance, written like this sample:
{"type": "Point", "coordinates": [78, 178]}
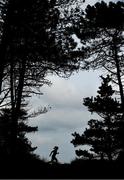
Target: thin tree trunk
{"type": "Point", "coordinates": [118, 73]}
{"type": "Point", "coordinates": [2, 62]}
{"type": "Point", "coordinates": [12, 107]}
{"type": "Point", "coordinates": [120, 87]}
{"type": "Point", "coordinates": [5, 40]}
{"type": "Point", "coordinates": [12, 86]}
{"type": "Point", "coordinates": [16, 111]}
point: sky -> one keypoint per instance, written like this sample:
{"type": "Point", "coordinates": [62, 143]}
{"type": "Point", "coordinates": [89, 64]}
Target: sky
{"type": "Point", "coordinates": [67, 113]}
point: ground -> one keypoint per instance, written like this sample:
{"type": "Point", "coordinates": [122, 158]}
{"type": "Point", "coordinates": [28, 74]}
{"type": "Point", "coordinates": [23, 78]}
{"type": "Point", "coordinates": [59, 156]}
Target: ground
{"type": "Point", "coordinates": [80, 169]}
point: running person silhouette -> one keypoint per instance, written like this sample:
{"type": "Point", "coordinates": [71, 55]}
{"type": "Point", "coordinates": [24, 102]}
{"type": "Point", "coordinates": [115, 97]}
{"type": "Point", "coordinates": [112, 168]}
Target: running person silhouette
{"type": "Point", "coordinates": [54, 153]}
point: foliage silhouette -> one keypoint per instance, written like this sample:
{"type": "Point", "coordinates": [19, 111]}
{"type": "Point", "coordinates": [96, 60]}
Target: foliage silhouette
{"type": "Point", "coordinates": [100, 30]}
{"type": "Point", "coordinates": [102, 135]}
{"type": "Point", "coordinates": [24, 149]}
{"type": "Point", "coordinates": [35, 40]}
{"type": "Point", "coordinates": [32, 45]}
{"type": "Point", "coordinates": [29, 51]}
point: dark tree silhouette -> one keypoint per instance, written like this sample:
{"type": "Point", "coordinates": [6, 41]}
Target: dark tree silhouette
{"type": "Point", "coordinates": [102, 135]}
{"type": "Point", "coordinates": [24, 149]}
{"type": "Point", "coordinates": [84, 154]}
{"type": "Point", "coordinates": [100, 30]}
{"type": "Point", "coordinates": [29, 33]}
{"type": "Point", "coordinates": [19, 91]}
{"type": "Point", "coordinates": [29, 51]}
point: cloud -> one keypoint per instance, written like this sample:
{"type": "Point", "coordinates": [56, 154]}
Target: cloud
{"type": "Point", "coordinates": [61, 120]}
{"type": "Point", "coordinates": [70, 92]}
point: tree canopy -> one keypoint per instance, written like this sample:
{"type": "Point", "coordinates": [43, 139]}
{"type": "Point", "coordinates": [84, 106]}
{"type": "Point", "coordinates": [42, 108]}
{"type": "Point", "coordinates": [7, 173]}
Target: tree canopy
{"type": "Point", "coordinates": [100, 30]}
{"type": "Point", "coordinates": [103, 135]}
{"type": "Point", "coordinates": [29, 51]}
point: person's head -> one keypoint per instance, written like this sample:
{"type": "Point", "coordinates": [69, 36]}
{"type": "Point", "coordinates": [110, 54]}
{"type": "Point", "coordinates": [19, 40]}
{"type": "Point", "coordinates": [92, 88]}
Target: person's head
{"type": "Point", "coordinates": [56, 147]}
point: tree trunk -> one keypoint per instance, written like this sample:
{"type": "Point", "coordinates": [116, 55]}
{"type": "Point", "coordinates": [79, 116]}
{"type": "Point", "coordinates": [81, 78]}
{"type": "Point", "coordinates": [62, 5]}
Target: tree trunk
{"type": "Point", "coordinates": [120, 84]}
{"type": "Point", "coordinates": [3, 48]}
{"type": "Point", "coordinates": [115, 49]}
{"type": "Point", "coordinates": [6, 36]}
{"type": "Point", "coordinates": [12, 86]}
{"type": "Point", "coordinates": [16, 110]}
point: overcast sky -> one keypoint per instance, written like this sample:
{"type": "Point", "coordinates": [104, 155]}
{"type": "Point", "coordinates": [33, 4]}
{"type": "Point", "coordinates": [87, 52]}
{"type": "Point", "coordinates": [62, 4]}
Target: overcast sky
{"type": "Point", "coordinates": [67, 113]}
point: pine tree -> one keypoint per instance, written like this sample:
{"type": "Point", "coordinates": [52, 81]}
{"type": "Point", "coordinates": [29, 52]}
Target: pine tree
{"type": "Point", "coordinates": [28, 51]}
{"type": "Point", "coordinates": [103, 135]}
{"type": "Point", "coordinates": [100, 30]}
{"type": "Point", "coordinates": [24, 149]}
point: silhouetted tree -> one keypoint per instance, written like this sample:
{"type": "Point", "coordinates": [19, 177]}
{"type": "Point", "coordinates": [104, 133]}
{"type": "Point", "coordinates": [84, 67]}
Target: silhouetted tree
{"type": "Point", "coordinates": [29, 50]}
{"type": "Point", "coordinates": [19, 91]}
{"type": "Point", "coordinates": [84, 154]}
{"type": "Point", "coordinates": [102, 135]}
{"type": "Point", "coordinates": [29, 34]}
{"type": "Point", "coordinates": [24, 149]}
{"type": "Point", "coordinates": [100, 30]}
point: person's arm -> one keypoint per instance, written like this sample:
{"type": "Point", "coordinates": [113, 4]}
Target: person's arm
{"type": "Point", "coordinates": [51, 153]}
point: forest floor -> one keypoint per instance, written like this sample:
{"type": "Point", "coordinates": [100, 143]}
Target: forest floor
{"type": "Point", "coordinates": [39, 169]}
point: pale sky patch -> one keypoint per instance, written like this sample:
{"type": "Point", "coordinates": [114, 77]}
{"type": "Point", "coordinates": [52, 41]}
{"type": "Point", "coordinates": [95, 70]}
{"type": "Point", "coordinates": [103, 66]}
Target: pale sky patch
{"type": "Point", "coordinates": [67, 113]}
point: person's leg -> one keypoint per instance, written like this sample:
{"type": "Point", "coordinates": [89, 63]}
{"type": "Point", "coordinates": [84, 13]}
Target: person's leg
{"type": "Point", "coordinates": [53, 158]}
{"type": "Point", "coordinates": [56, 160]}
